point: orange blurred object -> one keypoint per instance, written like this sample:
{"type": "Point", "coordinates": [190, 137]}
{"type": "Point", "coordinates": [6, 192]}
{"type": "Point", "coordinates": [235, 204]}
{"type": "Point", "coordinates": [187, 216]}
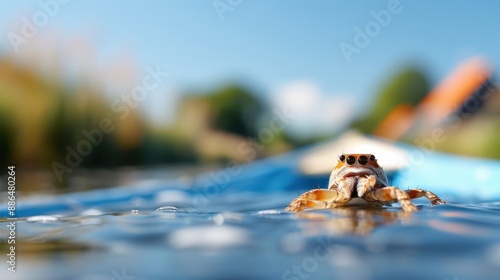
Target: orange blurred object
{"type": "Point", "coordinates": [396, 123]}
{"type": "Point", "coordinates": [450, 94]}
{"type": "Point", "coordinates": [442, 101]}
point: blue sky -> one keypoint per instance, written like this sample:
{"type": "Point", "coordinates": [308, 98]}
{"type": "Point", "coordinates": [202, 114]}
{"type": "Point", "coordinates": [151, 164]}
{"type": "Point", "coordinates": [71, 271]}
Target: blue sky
{"type": "Point", "coordinates": [274, 46]}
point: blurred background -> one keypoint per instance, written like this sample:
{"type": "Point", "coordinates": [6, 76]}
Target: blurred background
{"type": "Point", "coordinates": [90, 87]}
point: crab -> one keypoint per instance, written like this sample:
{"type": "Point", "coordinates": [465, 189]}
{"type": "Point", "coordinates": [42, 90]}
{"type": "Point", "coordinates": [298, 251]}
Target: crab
{"type": "Point", "coordinates": [359, 176]}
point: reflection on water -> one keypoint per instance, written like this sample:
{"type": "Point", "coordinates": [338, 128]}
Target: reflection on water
{"type": "Point", "coordinates": [351, 220]}
{"type": "Point", "coordinates": [437, 242]}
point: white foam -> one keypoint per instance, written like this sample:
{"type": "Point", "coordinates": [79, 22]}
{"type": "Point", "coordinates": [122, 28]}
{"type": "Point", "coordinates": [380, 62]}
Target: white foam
{"type": "Point", "coordinates": [167, 209]}
{"type": "Point", "coordinates": [209, 237]}
{"type": "Point", "coordinates": [42, 219]}
{"type": "Point", "coordinates": [171, 196]}
{"type": "Point", "coordinates": [92, 212]}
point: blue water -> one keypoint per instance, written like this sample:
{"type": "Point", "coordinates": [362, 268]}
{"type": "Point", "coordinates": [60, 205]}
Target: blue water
{"type": "Point", "coordinates": [230, 224]}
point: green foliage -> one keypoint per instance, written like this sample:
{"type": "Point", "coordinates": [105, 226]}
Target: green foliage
{"type": "Point", "coordinates": [408, 86]}
{"type": "Point", "coordinates": [169, 149]}
{"type": "Point", "coordinates": [493, 148]}
{"type": "Point", "coordinates": [66, 125]}
{"type": "Point", "coordinates": [60, 126]}
{"type": "Point", "coordinates": [236, 110]}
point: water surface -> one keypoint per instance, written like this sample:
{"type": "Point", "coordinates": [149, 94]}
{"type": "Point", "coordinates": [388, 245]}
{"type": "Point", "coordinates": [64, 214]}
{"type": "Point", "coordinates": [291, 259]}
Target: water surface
{"type": "Point", "coordinates": [230, 224]}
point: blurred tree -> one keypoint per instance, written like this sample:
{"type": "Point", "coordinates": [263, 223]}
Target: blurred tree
{"type": "Point", "coordinates": [74, 115]}
{"type": "Point", "coordinates": [161, 149]}
{"type": "Point", "coordinates": [219, 123]}
{"type": "Point", "coordinates": [236, 110]}
{"type": "Point", "coordinates": [60, 125]}
{"type": "Point", "coordinates": [408, 86]}
{"type": "Point", "coordinates": [5, 141]}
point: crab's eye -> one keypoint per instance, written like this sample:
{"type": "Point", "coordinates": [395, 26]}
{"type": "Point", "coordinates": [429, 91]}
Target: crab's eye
{"type": "Point", "coordinates": [342, 158]}
{"type": "Point", "coordinates": [351, 160]}
{"type": "Point", "coordinates": [363, 160]}
{"type": "Point", "coordinates": [372, 158]}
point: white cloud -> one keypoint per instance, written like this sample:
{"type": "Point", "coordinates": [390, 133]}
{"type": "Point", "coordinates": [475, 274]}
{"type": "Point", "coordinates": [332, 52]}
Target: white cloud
{"type": "Point", "coordinates": [316, 111]}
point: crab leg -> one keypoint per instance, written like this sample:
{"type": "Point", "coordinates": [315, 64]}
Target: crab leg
{"type": "Point", "coordinates": [433, 198]}
{"type": "Point", "coordinates": [318, 199]}
{"type": "Point", "coordinates": [390, 195]}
